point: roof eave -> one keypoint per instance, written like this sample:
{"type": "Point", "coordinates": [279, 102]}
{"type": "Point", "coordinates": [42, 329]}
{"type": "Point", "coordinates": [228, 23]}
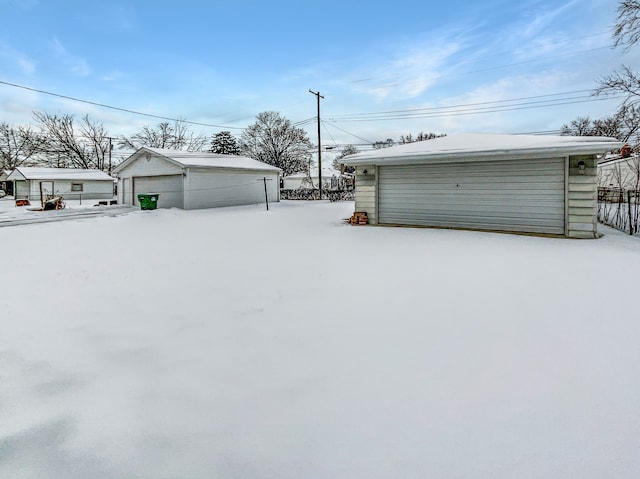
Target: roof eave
{"type": "Point", "coordinates": [220, 167]}
{"type": "Point", "coordinates": [468, 156]}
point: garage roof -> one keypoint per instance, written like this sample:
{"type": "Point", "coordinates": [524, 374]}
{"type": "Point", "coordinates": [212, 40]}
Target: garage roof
{"type": "Point", "coordinates": [36, 173]}
{"type": "Point", "coordinates": [478, 146]}
{"type": "Point", "coordinates": [201, 159]}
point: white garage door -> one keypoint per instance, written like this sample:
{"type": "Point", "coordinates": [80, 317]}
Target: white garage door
{"type": "Point", "coordinates": [169, 188]}
{"type": "Point", "coordinates": [511, 195]}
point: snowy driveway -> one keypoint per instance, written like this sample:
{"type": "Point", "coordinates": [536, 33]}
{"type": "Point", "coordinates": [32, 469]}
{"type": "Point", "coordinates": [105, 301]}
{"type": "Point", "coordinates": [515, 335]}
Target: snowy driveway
{"type": "Point", "coordinates": [240, 343]}
{"type": "Point", "coordinates": [11, 215]}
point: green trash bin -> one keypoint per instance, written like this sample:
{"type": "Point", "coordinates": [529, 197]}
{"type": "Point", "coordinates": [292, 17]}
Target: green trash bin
{"type": "Point", "coordinates": [148, 201]}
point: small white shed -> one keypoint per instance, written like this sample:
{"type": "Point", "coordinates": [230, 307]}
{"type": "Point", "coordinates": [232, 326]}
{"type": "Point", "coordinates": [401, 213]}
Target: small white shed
{"type": "Point", "coordinates": [192, 180]}
{"type": "Point", "coordinates": [71, 183]}
{"type": "Point", "coordinates": [517, 183]}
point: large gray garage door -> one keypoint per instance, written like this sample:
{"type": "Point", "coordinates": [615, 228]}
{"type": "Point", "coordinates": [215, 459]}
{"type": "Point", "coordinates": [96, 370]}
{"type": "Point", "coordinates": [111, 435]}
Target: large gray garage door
{"type": "Point", "coordinates": [169, 187]}
{"type": "Point", "coordinates": [511, 195]}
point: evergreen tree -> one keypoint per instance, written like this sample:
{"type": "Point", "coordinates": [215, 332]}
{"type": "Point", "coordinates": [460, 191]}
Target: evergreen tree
{"type": "Point", "coordinates": [224, 143]}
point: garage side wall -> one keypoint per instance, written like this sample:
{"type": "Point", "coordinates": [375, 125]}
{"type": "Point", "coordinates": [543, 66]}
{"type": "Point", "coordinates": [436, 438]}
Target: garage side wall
{"type": "Point", "coordinates": [582, 221]}
{"type": "Point", "coordinates": [212, 188]}
{"type": "Point", "coordinates": [366, 192]}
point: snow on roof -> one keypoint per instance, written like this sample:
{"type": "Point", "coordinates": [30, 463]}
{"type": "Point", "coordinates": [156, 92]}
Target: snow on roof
{"type": "Point", "coordinates": [37, 173]}
{"type": "Point", "coordinates": [201, 159]}
{"type": "Point", "coordinates": [483, 145]}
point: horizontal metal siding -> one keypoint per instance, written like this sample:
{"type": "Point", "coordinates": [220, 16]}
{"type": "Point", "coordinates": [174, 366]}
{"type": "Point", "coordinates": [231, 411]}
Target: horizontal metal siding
{"type": "Point", "coordinates": [513, 195]}
{"type": "Point", "coordinates": [219, 188]}
{"type": "Point", "coordinates": [169, 188]}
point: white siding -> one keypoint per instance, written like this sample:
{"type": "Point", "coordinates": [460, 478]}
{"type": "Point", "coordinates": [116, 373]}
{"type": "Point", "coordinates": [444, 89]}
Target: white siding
{"type": "Point", "coordinates": [22, 189]}
{"type": "Point", "coordinates": [91, 189]}
{"type": "Point", "coordinates": [125, 191]}
{"type": "Point", "coordinates": [582, 204]}
{"type": "Point", "coordinates": [212, 188]}
{"type": "Point", "coordinates": [152, 166]}
{"type": "Point", "coordinates": [366, 192]}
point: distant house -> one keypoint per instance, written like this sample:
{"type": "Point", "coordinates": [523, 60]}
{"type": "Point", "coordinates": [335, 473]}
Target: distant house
{"type": "Point", "coordinates": [516, 183]}
{"type": "Point", "coordinates": [330, 179]}
{"type": "Point", "coordinates": [192, 180]}
{"type": "Point", "coordinates": [617, 171]}
{"type": "Point", "coordinates": [71, 183]}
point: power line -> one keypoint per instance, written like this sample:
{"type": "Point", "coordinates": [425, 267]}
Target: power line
{"type": "Point", "coordinates": [534, 61]}
{"type": "Point", "coordinates": [126, 110]}
{"type": "Point", "coordinates": [509, 100]}
{"type": "Point", "coordinates": [349, 133]}
{"type": "Point", "coordinates": [448, 111]}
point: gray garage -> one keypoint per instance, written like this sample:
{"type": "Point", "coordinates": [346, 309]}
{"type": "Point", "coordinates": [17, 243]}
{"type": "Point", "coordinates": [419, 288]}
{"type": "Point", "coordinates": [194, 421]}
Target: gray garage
{"type": "Point", "coordinates": [515, 183]}
{"type": "Point", "coordinates": [192, 180]}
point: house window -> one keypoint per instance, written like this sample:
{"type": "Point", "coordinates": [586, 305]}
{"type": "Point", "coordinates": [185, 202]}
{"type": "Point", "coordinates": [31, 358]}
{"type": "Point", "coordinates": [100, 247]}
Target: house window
{"type": "Point", "coordinates": [76, 186]}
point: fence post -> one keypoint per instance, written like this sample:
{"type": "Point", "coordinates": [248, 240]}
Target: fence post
{"type": "Point", "coordinates": [629, 212]}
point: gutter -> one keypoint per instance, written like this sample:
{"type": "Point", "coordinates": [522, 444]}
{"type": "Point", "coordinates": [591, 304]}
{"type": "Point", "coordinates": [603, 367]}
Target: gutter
{"type": "Point", "coordinates": [471, 156]}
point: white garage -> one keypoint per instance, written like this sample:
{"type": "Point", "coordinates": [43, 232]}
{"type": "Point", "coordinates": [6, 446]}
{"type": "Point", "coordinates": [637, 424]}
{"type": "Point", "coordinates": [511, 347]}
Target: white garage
{"type": "Point", "coordinates": [515, 183]}
{"type": "Point", "coordinates": [192, 180]}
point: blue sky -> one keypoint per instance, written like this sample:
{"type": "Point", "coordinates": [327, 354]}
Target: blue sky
{"type": "Point", "coordinates": [222, 63]}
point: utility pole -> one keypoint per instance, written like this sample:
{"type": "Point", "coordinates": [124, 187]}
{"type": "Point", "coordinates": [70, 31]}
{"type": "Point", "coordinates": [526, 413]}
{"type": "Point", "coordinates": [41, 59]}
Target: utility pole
{"type": "Point", "coordinates": [110, 148]}
{"type": "Point", "coordinates": [318, 96]}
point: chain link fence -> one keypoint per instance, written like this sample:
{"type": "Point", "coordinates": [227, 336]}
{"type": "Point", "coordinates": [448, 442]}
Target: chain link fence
{"type": "Point", "coordinates": [619, 208]}
{"type": "Point", "coordinates": [312, 194]}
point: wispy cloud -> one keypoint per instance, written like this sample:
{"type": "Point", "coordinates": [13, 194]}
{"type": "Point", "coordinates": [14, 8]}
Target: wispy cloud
{"type": "Point", "coordinates": [16, 59]}
{"type": "Point", "coordinates": [77, 65]}
{"type": "Point", "coordinates": [404, 75]}
{"type": "Point", "coordinates": [541, 19]}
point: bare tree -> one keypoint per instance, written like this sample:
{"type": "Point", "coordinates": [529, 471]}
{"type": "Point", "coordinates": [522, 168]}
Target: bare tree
{"type": "Point", "coordinates": [88, 147]}
{"type": "Point", "coordinates": [346, 151]}
{"type": "Point", "coordinates": [624, 81]}
{"type": "Point", "coordinates": [422, 136]}
{"type": "Point", "coordinates": [627, 29]}
{"type": "Point", "coordinates": [18, 146]}
{"type": "Point", "coordinates": [171, 136]}
{"type": "Point", "coordinates": [626, 33]}
{"type": "Point", "coordinates": [274, 140]}
{"type": "Point", "coordinates": [581, 126]}
{"type": "Point", "coordinates": [623, 125]}
{"type": "Point", "coordinates": [383, 144]}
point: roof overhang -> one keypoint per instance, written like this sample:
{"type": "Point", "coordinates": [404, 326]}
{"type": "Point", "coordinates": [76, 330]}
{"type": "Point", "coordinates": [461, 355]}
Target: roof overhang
{"type": "Point", "coordinates": [185, 163]}
{"type": "Point", "coordinates": [515, 148]}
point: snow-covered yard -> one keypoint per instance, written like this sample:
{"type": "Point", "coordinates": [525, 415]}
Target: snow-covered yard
{"type": "Point", "coordinates": [240, 343]}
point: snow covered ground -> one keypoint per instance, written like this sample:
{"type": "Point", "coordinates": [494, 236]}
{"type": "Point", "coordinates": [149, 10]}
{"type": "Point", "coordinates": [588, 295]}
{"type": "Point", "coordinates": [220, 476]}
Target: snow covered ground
{"type": "Point", "coordinates": [11, 215]}
{"type": "Point", "coordinates": [241, 343]}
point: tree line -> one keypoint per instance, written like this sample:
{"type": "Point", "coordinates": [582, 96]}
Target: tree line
{"type": "Point", "coordinates": [61, 141]}
{"type": "Point", "coordinates": [624, 123]}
